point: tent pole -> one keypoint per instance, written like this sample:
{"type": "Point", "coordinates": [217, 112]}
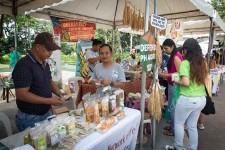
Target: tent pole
{"type": "Point", "coordinates": [131, 41]}
{"type": "Point", "coordinates": [143, 78]}
{"type": "Point", "coordinates": [211, 34]}
{"type": "Point", "coordinates": [155, 77]}
{"type": "Point", "coordinates": [119, 44]}
{"type": "Point", "coordinates": [14, 11]}
{"type": "Point", "coordinates": [113, 38]}
{"type": "Point", "coordinates": [28, 29]}
{"type": "Point", "coordinates": [114, 25]}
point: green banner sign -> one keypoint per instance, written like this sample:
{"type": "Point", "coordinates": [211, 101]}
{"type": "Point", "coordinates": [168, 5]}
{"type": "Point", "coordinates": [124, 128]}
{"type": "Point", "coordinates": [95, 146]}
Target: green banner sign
{"type": "Point", "coordinates": [147, 51]}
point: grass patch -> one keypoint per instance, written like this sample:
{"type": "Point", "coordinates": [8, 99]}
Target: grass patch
{"type": "Point", "coordinates": [4, 68]}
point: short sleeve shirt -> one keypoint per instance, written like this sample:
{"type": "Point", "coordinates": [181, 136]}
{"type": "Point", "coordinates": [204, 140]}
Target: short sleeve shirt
{"type": "Point", "coordinates": [13, 56]}
{"type": "Point", "coordinates": [193, 89]}
{"type": "Point", "coordinates": [173, 69]}
{"type": "Point", "coordinates": [115, 73]}
{"type": "Point", "coordinates": [30, 73]}
{"type": "Point", "coordinates": [91, 67]}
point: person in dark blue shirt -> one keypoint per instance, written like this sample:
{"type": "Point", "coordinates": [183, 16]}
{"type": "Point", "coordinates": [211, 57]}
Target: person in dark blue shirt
{"type": "Point", "coordinates": [163, 68]}
{"type": "Point", "coordinates": [34, 85]}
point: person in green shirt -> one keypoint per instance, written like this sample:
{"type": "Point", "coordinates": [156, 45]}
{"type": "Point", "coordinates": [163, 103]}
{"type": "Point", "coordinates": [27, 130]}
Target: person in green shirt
{"type": "Point", "coordinates": [193, 73]}
{"type": "Point", "coordinates": [13, 57]}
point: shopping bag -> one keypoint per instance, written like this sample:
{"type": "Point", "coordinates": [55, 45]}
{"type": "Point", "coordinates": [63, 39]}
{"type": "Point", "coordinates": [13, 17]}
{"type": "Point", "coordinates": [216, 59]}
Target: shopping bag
{"type": "Point", "coordinates": [209, 107]}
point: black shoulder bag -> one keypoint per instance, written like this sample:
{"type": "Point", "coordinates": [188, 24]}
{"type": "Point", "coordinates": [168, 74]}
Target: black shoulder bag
{"type": "Point", "coordinates": [209, 107]}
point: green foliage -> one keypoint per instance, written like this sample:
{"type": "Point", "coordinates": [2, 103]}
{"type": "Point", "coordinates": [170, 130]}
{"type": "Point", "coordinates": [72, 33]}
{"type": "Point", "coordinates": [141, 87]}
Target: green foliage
{"type": "Point", "coordinates": [69, 59]}
{"type": "Point", "coordinates": [5, 59]}
{"type": "Point", "coordinates": [219, 6]}
{"type": "Point", "coordinates": [125, 55]}
{"type": "Point", "coordinates": [122, 56]}
{"type": "Point", "coordinates": [125, 41]}
{"type": "Point", "coordinates": [36, 26]}
{"type": "Point", "coordinates": [68, 48]}
{"type": "Point", "coordinates": [100, 35]}
{"type": "Point", "coordinates": [122, 40]}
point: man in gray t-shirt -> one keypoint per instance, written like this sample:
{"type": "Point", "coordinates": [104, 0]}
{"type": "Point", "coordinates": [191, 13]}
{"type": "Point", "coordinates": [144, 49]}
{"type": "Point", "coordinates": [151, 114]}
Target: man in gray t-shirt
{"type": "Point", "coordinates": [115, 73]}
{"type": "Point", "coordinates": [93, 56]}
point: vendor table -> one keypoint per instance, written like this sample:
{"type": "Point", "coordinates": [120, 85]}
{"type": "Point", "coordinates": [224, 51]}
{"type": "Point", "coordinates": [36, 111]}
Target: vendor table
{"type": "Point", "coordinates": [132, 75]}
{"type": "Point", "coordinates": [121, 136]}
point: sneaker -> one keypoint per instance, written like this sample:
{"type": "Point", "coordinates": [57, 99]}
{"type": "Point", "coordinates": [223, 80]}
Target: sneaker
{"type": "Point", "coordinates": [169, 147]}
{"type": "Point", "coordinates": [200, 127]}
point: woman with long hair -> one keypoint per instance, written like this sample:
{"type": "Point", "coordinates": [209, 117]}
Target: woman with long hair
{"type": "Point", "coordinates": [173, 66]}
{"type": "Point", "coordinates": [193, 73]}
{"type": "Point", "coordinates": [108, 72]}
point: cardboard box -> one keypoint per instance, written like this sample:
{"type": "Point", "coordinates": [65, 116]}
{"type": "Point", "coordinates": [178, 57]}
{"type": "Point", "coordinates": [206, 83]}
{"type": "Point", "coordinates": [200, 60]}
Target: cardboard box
{"type": "Point", "coordinates": [60, 110]}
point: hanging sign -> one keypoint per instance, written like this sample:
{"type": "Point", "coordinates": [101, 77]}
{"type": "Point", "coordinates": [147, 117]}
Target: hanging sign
{"type": "Point", "coordinates": [158, 22]}
{"type": "Point", "coordinates": [73, 30]}
{"type": "Point", "coordinates": [81, 64]}
{"type": "Point", "coordinates": [147, 51]}
{"type": "Point", "coordinates": [175, 31]}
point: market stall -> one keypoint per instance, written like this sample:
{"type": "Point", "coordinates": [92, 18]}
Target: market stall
{"type": "Point", "coordinates": [124, 135]}
{"type": "Point", "coordinates": [95, 11]}
{"type": "Point", "coordinates": [130, 87]}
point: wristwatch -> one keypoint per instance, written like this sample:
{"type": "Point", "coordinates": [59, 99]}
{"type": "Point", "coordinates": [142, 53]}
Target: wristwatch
{"type": "Point", "coordinates": [112, 84]}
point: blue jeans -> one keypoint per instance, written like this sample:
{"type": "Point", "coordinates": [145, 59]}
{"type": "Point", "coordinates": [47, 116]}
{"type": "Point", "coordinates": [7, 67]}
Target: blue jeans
{"type": "Point", "coordinates": [171, 88]}
{"type": "Point", "coordinates": [24, 120]}
{"type": "Point", "coordinates": [188, 110]}
{"type": "Point", "coordinates": [172, 114]}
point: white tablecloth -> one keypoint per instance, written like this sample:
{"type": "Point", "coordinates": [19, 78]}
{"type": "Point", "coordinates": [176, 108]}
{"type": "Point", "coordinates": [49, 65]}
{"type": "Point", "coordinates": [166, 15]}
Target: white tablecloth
{"type": "Point", "coordinates": [121, 136]}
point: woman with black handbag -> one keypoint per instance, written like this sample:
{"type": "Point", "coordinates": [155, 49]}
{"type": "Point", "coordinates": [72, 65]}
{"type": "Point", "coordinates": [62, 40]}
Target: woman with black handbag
{"type": "Point", "coordinates": [193, 72]}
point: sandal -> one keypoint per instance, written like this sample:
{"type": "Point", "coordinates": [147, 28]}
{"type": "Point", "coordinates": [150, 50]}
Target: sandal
{"type": "Point", "coordinates": [144, 141]}
{"type": "Point", "coordinates": [167, 128]}
{"type": "Point", "coordinates": [168, 132]}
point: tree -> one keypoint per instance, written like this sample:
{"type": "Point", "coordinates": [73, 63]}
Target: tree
{"type": "Point", "coordinates": [68, 48]}
{"type": "Point", "coordinates": [36, 26]}
{"type": "Point", "coordinates": [219, 6]}
{"type": "Point", "coordinates": [106, 36]}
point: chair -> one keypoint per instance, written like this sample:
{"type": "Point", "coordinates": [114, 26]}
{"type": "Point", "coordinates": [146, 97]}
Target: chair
{"type": "Point", "coordinates": [6, 123]}
{"type": "Point", "coordinates": [7, 91]}
{"type": "Point", "coordinates": [73, 84]}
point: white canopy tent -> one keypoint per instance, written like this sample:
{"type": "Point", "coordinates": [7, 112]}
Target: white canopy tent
{"type": "Point", "coordinates": [109, 13]}
{"type": "Point", "coordinates": [104, 12]}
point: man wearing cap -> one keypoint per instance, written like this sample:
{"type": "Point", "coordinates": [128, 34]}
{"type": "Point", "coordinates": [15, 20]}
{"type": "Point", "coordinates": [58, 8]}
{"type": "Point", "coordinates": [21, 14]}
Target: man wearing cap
{"type": "Point", "coordinates": [34, 85]}
{"type": "Point", "coordinates": [93, 56]}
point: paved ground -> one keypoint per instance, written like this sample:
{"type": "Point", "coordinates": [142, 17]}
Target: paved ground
{"type": "Point", "coordinates": [210, 138]}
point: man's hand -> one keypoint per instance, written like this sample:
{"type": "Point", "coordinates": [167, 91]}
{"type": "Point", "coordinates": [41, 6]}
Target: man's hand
{"type": "Point", "coordinates": [105, 82]}
{"type": "Point", "coordinates": [95, 82]}
{"type": "Point", "coordinates": [62, 93]}
{"type": "Point", "coordinates": [55, 100]}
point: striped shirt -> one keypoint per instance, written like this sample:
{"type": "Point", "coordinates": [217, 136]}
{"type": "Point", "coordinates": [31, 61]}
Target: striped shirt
{"type": "Point", "coordinates": [30, 73]}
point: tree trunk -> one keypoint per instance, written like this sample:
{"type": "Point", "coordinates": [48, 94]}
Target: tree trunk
{"type": "Point", "coordinates": [1, 26]}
